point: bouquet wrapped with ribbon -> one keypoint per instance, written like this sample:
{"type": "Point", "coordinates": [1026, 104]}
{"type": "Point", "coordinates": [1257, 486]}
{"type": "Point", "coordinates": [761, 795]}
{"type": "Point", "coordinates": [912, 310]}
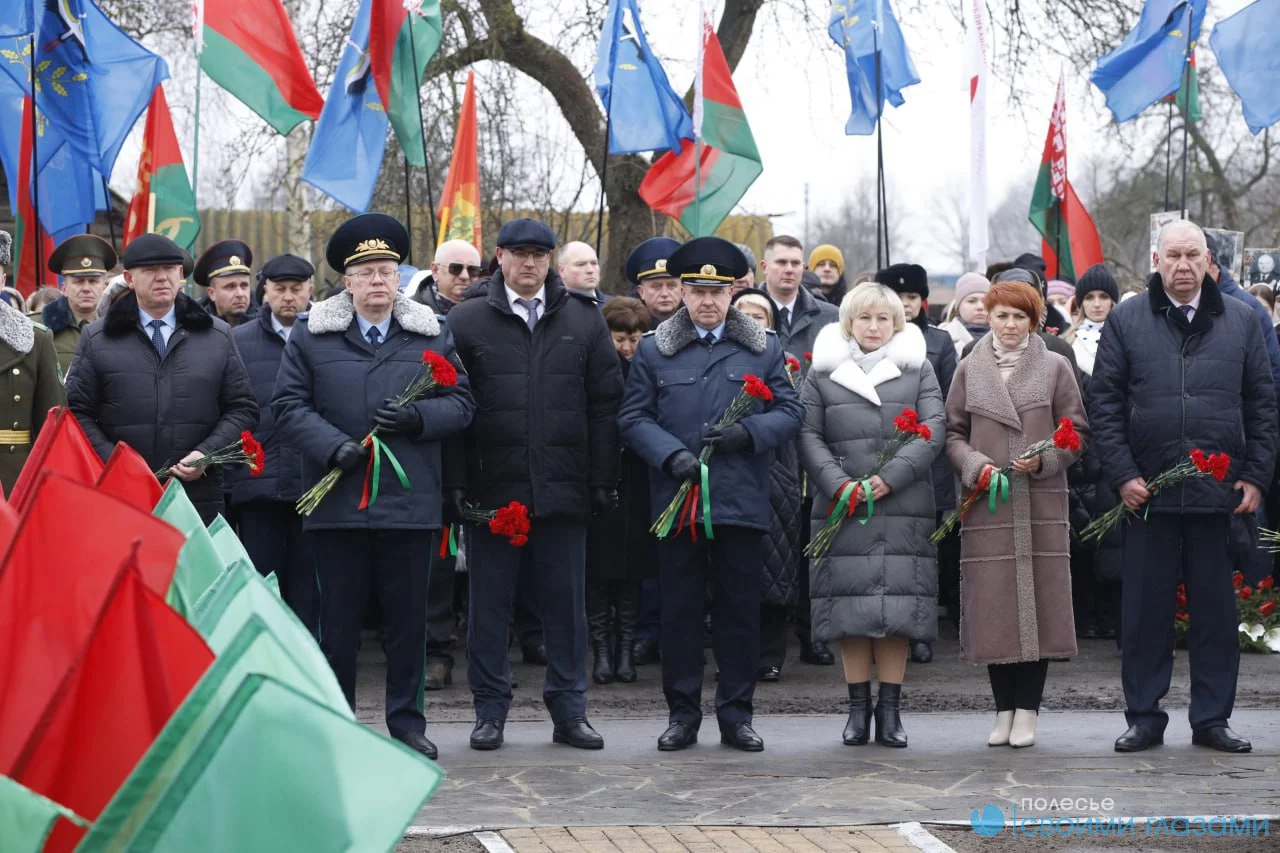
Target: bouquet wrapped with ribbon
{"type": "Point", "coordinates": [994, 481]}
{"type": "Point", "coordinates": [684, 506]}
{"type": "Point", "coordinates": [245, 451]}
{"type": "Point", "coordinates": [1197, 464]}
{"type": "Point", "coordinates": [435, 372]}
{"type": "Point", "coordinates": [907, 428]}
{"type": "Point", "coordinates": [511, 521]}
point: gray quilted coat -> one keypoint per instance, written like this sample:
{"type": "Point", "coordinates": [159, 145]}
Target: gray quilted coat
{"type": "Point", "coordinates": [881, 579]}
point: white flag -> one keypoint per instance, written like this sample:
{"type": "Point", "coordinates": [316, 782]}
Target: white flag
{"type": "Point", "coordinates": [979, 239]}
{"type": "Point", "coordinates": [197, 24]}
{"type": "Point", "coordinates": [704, 32]}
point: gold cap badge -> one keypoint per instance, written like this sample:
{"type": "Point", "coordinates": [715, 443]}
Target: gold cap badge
{"type": "Point", "coordinates": [235, 260]}
{"type": "Point", "coordinates": [374, 245]}
{"type": "Point", "coordinates": [86, 262]}
{"type": "Point", "coordinates": [660, 264]}
{"type": "Point", "coordinates": [708, 269]}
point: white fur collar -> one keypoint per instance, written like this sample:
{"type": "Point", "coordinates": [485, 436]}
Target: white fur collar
{"type": "Point", "coordinates": [336, 314]}
{"type": "Point", "coordinates": [15, 329]}
{"type": "Point", "coordinates": [832, 355]}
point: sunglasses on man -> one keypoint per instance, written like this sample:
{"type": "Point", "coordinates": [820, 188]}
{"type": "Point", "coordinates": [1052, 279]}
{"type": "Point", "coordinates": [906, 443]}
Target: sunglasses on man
{"type": "Point", "coordinates": [456, 270]}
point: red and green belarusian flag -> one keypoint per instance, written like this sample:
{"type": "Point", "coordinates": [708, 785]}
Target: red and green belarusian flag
{"type": "Point", "coordinates": [249, 49]}
{"type": "Point", "coordinates": [31, 244]}
{"type": "Point", "coordinates": [163, 202]}
{"type": "Point", "coordinates": [701, 195]}
{"type": "Point", "coordinates": [401, 43]}
{"type": "Point", "coordinates": [1188, 93]}
{"type": "Point", "coordinates": [460, 200]}
{"type": "Point", "coordinates": [1071, 244]}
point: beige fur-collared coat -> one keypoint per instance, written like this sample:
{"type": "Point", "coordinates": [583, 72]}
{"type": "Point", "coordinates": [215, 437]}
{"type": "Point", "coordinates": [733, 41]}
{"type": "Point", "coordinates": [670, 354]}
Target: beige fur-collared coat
{"type": "Point", "coordinates": [1015, 567]}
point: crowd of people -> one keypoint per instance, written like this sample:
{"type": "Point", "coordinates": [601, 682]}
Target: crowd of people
{"type": "Point", "coordinates": [604, 415]}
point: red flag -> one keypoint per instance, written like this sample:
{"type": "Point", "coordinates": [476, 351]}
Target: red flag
{"type": "Point", "coordinates": [129, 478]}
{"type": "Point", "coordinates": [54, 582]}
{"type": "Point", "coordinates": [139, 664]}
{"type": "Point", "coordinates": [34, 246]}
{"type": "Point", "coordinates": [61, 446]}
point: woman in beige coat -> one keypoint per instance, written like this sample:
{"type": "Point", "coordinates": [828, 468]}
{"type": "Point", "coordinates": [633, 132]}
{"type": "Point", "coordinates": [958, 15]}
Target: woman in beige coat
{"type": "Point", "coordinates": [1015, 588]}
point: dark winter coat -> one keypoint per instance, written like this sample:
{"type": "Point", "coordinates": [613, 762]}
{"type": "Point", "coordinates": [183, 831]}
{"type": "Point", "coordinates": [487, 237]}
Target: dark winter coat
{"type": "Point", "coordinates": [545, 431]}
{"type": "Point", "coordinates": [197, 397]}
{"type": "Point", "coordinates": [810, 316]}
{"type": "Point", "coordinates": [881, 579]}
{"type": "Point", "coordinates": [783, 545]}
{"type": "Point", "coordinates": [1227, 287]}
{"type": "Point", "coordinates": [941, 352]}
{"type": "Point", "coordinates": [66, 330]}
{"type": "Point", "coordinates": [428, 295]}
{"type": "Point", "coordinates": [1162, 387]}
{"type": "Point", "coordinates": [1091, 497]}
{"type": "Point", "coordinates": [30, 386]}
{"type": "Point", "coordinates": [678, 389]}
{"type": "Point", "coordinates": [331, 383]}
{"type": "Point", "coordinates": [254, 308]}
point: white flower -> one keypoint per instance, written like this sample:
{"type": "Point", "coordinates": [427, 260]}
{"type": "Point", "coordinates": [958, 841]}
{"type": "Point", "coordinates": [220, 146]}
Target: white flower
{"type": "Point", "coordinates": [1272, 639]}
{"type": "Point", "coordinates": [1253, 632]}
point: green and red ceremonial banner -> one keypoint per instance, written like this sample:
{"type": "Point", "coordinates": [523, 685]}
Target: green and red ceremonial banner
{"type": "Point", "coordinates": [398, 37]}
{"type": "Point", "coordinates": [702, 195]}
{"type": "Point", "coordinates": [163, 202]}
{"type": "Point", "coordinates": [1188, 93]}
{"type": "Point", "coordinates": [1071, 244]}
{"type": "Point", "coordinates": [250, 50]}
{"type": "Point", "coordinates": [28, 233]}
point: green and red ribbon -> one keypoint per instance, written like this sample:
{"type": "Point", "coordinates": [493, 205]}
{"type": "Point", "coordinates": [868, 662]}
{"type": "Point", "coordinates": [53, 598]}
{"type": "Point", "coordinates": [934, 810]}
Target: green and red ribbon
{"type": "Point", "coordinates": [997, 490]}
{"type": "Point", "coordinates": [699, 494]}
{"type": "Point", "coordinates": [373, 471]}
{"type": "Point", "coordinates": [448, 542]}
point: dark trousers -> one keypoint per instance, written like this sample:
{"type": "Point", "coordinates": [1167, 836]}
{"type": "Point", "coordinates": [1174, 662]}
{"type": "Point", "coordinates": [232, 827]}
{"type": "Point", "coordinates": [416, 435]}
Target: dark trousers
{"type": "Point", "coordinates": [773, 634]}
{"type": "Point", "coordinates": [528, 624]}
{"type": "Point", "coordinates": [1159, 552]}
{"type": "Point", "coordinates": [271, 532]}
{"type": "Point", "coordinates": [731, 563]}
{"type": "Point", "coordinates": [949, 572]}
{"type": "Point", "coordinates": [650, 626]}
{"type": "Point", "coordinates": [1018, 685]}
{"type": "Point", "coordinates": [394, 564]}
{"type": "Point", "coordinates": [804, 607]}
{"type": "Point", "coordinates": [558, 554]}
{"type": "Point", "coordinates": [441, 617]}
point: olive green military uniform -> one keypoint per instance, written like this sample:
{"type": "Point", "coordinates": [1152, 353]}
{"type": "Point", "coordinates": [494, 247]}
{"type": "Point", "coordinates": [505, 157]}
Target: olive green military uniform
{"type": "Point", "coordinates": [30, 385]}
{"type": "Point", "coordinates": [82, 255]}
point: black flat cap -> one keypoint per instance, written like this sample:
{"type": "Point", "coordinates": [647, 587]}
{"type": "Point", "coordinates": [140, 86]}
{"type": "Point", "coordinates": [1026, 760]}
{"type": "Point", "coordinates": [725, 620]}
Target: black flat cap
{"type": "Point", "coordinates": [526, 232]}
{"type": "Point", "coordinates": [83, 254]}
{"type": "Point", "coordinates": [153, 250]}
{"type": "Point", "coordinates": [708, 262]}
{"type": "Point", "coordinates": [228, 257]}
{"type": "Point", "coordinates": [367, 237]}
{"type": "Point", "coordinates": [649, 259]}
{"type": "Point", "coordinates": [905, 278]}
{"type": "Point", "coordinates": [286, 267]}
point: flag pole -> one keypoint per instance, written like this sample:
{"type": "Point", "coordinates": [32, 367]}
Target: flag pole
{"type": "Point", "coordinates": [426, 162]}
{"type": "Point", "coordinates": [697, 119]}
{"type": "Point", "coordinates": [1186, 121]}
{"type": "Point", "coordinates": [608, 130]}
{"type": "Point", "coordinates": [111, 222]}
{"type": "Point", "coordinates": [408, 205]}
{"type": "Point", "coordinates": [882, 212]}
{"type": "Point", "coordinates": [35, 172]}
{"type": "Point", "coordinates": [195, 147]}
{"type": "Point", "coordinates": [1168, 157]}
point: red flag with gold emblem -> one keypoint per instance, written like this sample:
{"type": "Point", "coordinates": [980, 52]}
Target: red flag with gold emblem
{"type": "Point", "coordinates": [163, 202]}
{"type": "Point", "coordinates": [460, 201]}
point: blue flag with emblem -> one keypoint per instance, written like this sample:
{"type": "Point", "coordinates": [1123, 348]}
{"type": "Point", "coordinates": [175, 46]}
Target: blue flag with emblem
{"type": "Point", "coordinates": [645, 113]}
{"type": "Point", "coordinates": [1245, 47]}
{"type": "Point", "coordinates": [863, 29]}
{"type": "Point", "coordinates": [1149, 64]}
{"type": "Point", "coordinates": [350, 138]}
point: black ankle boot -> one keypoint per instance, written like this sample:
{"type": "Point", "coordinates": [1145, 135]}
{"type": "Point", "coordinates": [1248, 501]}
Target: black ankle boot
{"type": "Point", "coordinates": [858, 729]}
{"type": "Point", "coordinates": [624, 667]}
{"type": "Point", "coordinates": [598, 613]}
{"type": "Point", "coordinates": [889, 729]}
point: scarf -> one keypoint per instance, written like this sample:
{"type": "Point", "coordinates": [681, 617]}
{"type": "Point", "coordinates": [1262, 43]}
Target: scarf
{"type": "Point", "coordinates": [1088, 333]}
{"type": "Point", "coordinates": [865, 360]}
{"type": "Point", "coordinates": [1007, 359]}
{"type": "Point", "coordinates": [975, 330]}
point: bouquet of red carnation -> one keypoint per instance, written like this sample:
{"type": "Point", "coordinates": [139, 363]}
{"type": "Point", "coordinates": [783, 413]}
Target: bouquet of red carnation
{"type": "Point", "coordinates": [511, 521]}
{"type": "Point", "coordinates": [245, 451]}
{"type": "Point", "coordinates": [1195, 465]}
{"type": "Point", "coordinates": [995, 481]}
{"type": "Point", "coordinates": [793, 368]}
{"type": "Point", "coordinates": [907, 428]}
{"type": "Point", "coordinates": [435, 372]}
{"type": "Point", "coordinates": [685, 504]}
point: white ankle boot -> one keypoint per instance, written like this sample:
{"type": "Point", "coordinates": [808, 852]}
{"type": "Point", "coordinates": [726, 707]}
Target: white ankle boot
{"type": "Point", "coordinates": [1000, 734]}
{"type": "Point", "coordinates": [1024, 728]}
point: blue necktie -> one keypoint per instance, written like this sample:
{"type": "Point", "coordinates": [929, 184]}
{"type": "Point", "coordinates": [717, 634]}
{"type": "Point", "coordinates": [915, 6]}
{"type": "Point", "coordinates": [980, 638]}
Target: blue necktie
{"type": "Point", "coordinates": [1186, 312]}
{"type": "Point", "coordinates": [531, 306]}
{"type": "Point", "coordinates": [709, 338]}
{"type": "Point", "coordinates": [157, 336]}
{"type": "Point", "coordinates": [374, 336]}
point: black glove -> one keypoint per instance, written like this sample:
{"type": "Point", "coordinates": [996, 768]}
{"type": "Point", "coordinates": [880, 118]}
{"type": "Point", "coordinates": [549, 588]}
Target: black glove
{"type": "Point", "coordinates": [455, 506]}
{"type": "Point", "coordinates": [683, 465]}
{"type": "Point", "coordinates": [603, 501]}
{"type": "Point", "coordinates": [731, 439]}
{"type": "Point", "coordinates": [350, 456]}
{"type": "Point", "coordinates": [402, 420]}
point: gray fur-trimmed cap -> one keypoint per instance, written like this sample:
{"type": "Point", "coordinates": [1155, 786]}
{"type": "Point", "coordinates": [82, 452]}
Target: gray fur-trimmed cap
{"type": "Point", "coordinates": [6, 248]}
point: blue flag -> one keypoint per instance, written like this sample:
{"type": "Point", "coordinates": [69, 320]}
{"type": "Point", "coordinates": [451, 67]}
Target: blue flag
{"type": "Point", "coordinates": [645, 114]}
{"type": "Point", "coordinates": [1245, 47]}
{"type": "Point", "coordinates": [16, 20]}
{"type": "Point", "coordinates": [853, 27]}
{"type": "Point", "coordinates": [1149, 64]}
{"type": "Point", "coordinates": [92, 80]}
{"type": "Point", "coordinates": [349, 140]}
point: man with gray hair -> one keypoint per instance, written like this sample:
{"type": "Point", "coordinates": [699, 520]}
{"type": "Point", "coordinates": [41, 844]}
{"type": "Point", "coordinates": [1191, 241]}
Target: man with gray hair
{"type": "Point", "coordinates": [1182, 370]}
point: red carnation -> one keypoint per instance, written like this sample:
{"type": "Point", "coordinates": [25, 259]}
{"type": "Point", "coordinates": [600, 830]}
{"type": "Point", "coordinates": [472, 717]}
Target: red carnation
{"type": "Point", "coordinates": [1219, 465]}
{"type": "Point", "coordinates": [793, 363]}
{"type": "Point", "coordinates": [1267, 608]}
{"type": "Point", "coordinates": [1065, 436]}
{"type": "Point", "coordinates": [1181, 601]}
{"type": "Point", "coordinates": [808, 357]}
{"type": "Point", "coordinates": [1198, 459]}
{"type": "Point", "coordinates": [1245, 593]}
{"type": "Point", "coordinates": [443, 373]}
{"type": "Point", "coordinates": [923, 431]}
{"type": "Point", "coordinates": [902, 425]}
{"type": "Point", "coordinates": [519, 540]}
{"type": "Point", "coordinates": [754, 387]}
{"type": "Point", "coordinates": [1267, 582]}
{"type": "Point", "coordinates": [1237, 580]}
{"type": "Point", "coordinates": [1181, 617]}
{"type": "Point", "coordinates": [910, 416]}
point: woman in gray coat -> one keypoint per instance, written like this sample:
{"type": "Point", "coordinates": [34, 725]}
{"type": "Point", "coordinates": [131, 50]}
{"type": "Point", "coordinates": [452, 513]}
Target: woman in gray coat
{"type": "Point", "coordinates": [878, 584]}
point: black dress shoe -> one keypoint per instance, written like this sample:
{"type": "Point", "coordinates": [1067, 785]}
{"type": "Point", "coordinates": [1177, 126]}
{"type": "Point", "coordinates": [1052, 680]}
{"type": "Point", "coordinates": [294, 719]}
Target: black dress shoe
{"type": "Point", "coordinates": [1138, 738]}
{"type": "Point", "coordinates": [487, 734]}
{"type": "Point", "coordinates": [1220, 738]}
{"type": "Point", "coordinates": [644, 651]}
{"type": "Point", "coordinates": [769, 673]}
{"type": "Point", "coordinates": [536, 655]}
{"type": "Point", "coordinates": [816, 653]}
{"type": "Point", "coordinates": [418, 742]}
{"type": "Point", "coordinates": [677, 736]}
{"type": "Point", "coordinates": [577, 733]}
{"type": "Point", "coordinates": [921, 651]}
{"type": "Point", "coordinates": [742, 737]}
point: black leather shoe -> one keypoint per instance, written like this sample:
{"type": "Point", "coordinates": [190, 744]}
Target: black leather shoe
{"type": "Point", "coordinates": [816, 653]}
{"type": "Point", "coordinates": [769, 673]}
{"type": "Point", "coordinates": [418, 742]}
{"type": "Point", "coordinates": [889, 730]}
{"type": "Point", "coordinates": [577, 733]}
{"type": "Point", "coordinates": [1220, 738]}
{"type": "Point", "coordinates": [857, 730]}
{"type": "Point", "coordinates": [677, 736]}
{"type": "Point", "coordinates": [644, 651]}
{"type": "Point", "coordinates": [742, 737]}
{"type": "Point", "coordinates": [535, 654]}
{"type": "Point", "coordinates": [1138, 738]}
{"type": "Point", "coordinates": [439, 675]}
{"type": "Point", "coordinates": [921, 651]}
{"type": "Point", "coordinates": [487, 734]}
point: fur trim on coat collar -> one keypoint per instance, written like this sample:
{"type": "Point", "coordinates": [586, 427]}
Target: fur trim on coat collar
{"type": "Point", "coordinates": [337, 313]}
{"type": "Point", "coordinates": [122, 317]}
{"type": "Point", "coordinates": [16, 329]}
{"type": "Point", "coordinates": [833, 355]}
{"type": "Point", "coordinates": [679, 331]}
{"type": "Point", "coordinates": [987, 393]}
{"type": "Point", "coordinates": [57, 315]}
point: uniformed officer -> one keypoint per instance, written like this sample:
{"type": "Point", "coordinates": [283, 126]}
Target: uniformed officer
{"type": "Point", "coordinates": [83, 261]}
{"type": "Point", "coordinates": [29, 380]}
{"type": "Point", "coordinates": [341, 371]}
{"type": "Point", "coordinates": [683, 378]}
{"type": "Point", "coordinates": [224, 269]}
{"type": "Point", "coordinates": [647, 270]}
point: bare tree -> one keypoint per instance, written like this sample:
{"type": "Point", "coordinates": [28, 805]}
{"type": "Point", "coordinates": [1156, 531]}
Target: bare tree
{"type": "Point", "coordinates": [852, 228]}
